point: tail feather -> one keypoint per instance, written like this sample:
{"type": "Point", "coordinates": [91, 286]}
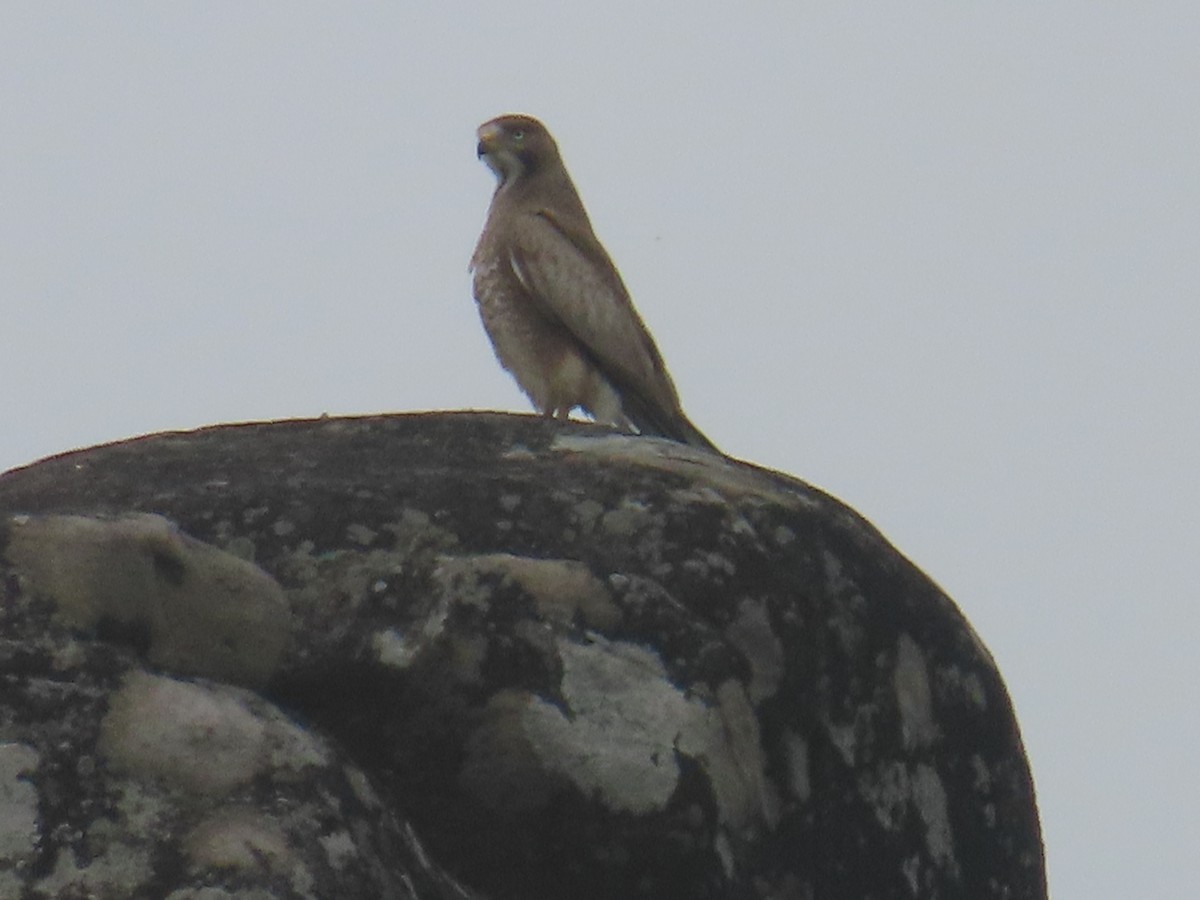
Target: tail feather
{"type": "Point", "coordinates": [672, 425]}
{"type": "Point", "coordinates": [693, 436]}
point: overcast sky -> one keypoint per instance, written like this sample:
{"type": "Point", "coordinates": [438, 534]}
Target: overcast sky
{"type": "Point", "coordinates": [939, 259]}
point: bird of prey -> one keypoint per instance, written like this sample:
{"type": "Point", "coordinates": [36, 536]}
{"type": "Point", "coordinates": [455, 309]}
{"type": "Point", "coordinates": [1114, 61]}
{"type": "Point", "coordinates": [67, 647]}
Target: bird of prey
{"type": "Point", "coordinates": [552, 301]}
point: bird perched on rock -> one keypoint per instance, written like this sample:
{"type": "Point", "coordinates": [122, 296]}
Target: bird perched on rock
{"type": "Point", "coordinates": [553, 303]}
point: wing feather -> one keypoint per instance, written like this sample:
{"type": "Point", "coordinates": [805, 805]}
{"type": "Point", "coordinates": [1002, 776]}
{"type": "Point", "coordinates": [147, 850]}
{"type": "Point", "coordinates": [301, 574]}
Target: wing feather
{"type": "Point", "coordinates": [583, 291]}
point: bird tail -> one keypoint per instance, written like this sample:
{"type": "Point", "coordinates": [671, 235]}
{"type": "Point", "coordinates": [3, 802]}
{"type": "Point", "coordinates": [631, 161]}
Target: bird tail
{"type": "Point", "coordinates": [675, 426]}
{"type": "Point", "coordinates": [688, 433]}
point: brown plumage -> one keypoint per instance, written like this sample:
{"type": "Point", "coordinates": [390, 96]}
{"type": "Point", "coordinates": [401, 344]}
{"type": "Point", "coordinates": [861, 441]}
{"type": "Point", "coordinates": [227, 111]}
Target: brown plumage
{"type": "Point", "coordinates": [552, 301]}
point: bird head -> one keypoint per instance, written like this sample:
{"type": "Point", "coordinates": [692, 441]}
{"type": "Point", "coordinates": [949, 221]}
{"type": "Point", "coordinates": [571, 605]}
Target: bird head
{"type": "Point", "coordinates": [515, 145]}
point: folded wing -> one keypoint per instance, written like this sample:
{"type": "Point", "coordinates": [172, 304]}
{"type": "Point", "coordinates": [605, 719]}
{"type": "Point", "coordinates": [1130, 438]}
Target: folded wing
{"type": "Point", "coordinates": [585, 294]}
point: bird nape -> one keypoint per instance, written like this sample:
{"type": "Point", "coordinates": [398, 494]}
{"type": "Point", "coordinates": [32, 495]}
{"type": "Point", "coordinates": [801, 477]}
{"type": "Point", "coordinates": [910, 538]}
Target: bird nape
{"type": "Point", "coordinates": [553, 304]}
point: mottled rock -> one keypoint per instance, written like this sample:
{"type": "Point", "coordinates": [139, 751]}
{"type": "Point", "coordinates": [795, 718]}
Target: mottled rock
{"type": "Point", "coordinates": [199, 610]}
{"type": "Point", "coordinates": [390, 656]}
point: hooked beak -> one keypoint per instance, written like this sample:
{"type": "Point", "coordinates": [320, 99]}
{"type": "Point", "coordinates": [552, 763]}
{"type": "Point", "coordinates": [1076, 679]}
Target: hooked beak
{"type": "Point", "coordinates": [487, 134]}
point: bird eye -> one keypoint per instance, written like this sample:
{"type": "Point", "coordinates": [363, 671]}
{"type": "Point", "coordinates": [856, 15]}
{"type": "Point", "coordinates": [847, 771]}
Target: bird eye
{"type": "Point", "coordinates": [518, 135]}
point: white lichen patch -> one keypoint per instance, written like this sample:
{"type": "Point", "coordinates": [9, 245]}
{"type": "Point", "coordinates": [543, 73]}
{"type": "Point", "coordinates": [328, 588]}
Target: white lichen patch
{"type": "Point", "coordinates": [415, 531]}
{"type": "Point", "coordinates": [898, 794]}
{"type": "Point", "coordinates": [914, 699]}
{"type": "Point", "coordinates": [292, 752]}
{"type": "Point", "coordinates": [724, 853]}
{"type": "Point", "coordinates": [200, 738]}
{"type": "Point", "coordinates": [625, 723]}
{"type": "Point", "coordinates": [393, 648]}
{"type": "Point", "coordinates": [929, 796]}
{"type": "Point", "coordinates": [353, 574]}
{"type": "Point", "coordinates": [619, 741]}
{"type": "Point", "coordinates": [141, 810]}
{"type": "Point", "coordinates": [983, 775]}
{"type": "Point", "coordinates": [632, 519]}
{"type": "Point", "coordinates": [700, 494]}
{"type": "Point", "coordinates": [844, 738]}
{"type": "Point", "coordinates": [18, 804]}
{"type": "Point", "coordinates": [340, 849]}
{"type": "Point", "coordinates": [360, 535]}
{"type": "Point", "coordinates": [730, 751]}
{"type": "Point", "coordinates": [911, 868]}
{"type": "Point", "coordinates": [564, 590]}
{"type": "Point", "coordinates": [709, 566]}
{"type": "Point", "coordinates": [752, 633]}
{"type": "Point", "coordinates": [795, 750]}
{"type": "Point", "coordinates": [966, 686]}
{"type": "Point", "coordinates": [400, 648]}
{"type": "Point", "coordinates": [889, 792]}
{"type": "Point", "coordinates": [282, 527]}
{"type": "Point", "coordinates": [245, 839]}
{"type": "Point", "coordinates": [847, 605]}
{"type": "Point", "coordinates": [68, 654]}
{"type": "Point", "coordinates": [361, 786]}
{"type": "Point", "coordinates": [121, 846]}
{"type": "Point", "coordinates": [206, 611]}
{"type": "Point", "coordinates": [117, 872]}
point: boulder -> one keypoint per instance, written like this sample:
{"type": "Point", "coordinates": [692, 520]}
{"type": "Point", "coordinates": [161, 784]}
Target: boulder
{"type": "Point", "coordinates": [480, 655]}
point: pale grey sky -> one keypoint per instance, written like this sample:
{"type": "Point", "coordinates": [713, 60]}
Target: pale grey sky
{"type": "Point", "coordinates": [940, 259]}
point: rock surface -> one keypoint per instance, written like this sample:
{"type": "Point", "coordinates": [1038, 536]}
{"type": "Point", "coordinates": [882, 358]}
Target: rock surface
{"type": "Point", "coordinates": [474, 655]}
